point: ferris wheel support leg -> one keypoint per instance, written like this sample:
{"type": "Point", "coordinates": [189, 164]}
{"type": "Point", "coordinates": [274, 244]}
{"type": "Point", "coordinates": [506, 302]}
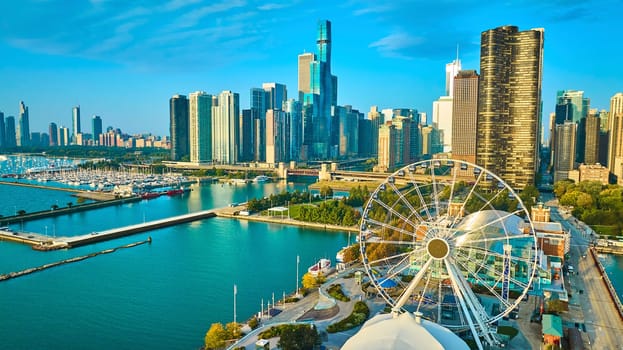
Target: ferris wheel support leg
{"type": "Point", "coordinates": [414, 282]}
{"type": "Point", "coordinates": [462, 291]}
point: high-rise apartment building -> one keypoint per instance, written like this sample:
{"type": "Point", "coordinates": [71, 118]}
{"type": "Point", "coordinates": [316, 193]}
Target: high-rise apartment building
{"type": "Point", "coordinates": [304, 73]}
{"type": "Point", "coordinates": [464, 115]}
{"type": "Point", "coordinates": [246, 136]}
{"type": "Point", "coordinates": [10, 133]}
{"type": "Point", "coordinates": [23, 126]}
{"type": "Point", "coordinates": [179, 127]}
{"type": "Point", "coordinates": [63, 136]}
{"type": "Point", "coordinates": [96, 129]}
{"type": "Point", "coordinates": [75, 123]}
{"type": "Point", "coordinates": [387, 144]}
{"type": "Point", "coordinates": [276, 95]}
{"type": "Point", "coordinates": [295, 121]}
{"type": "Point", "coordinates": [442, 121]}
{"type": "Point", "coordinates": [348, 131]}
{"type": "Point", "coordinates": [590, 125]}
{"type": "Point", "coordinates": [571, 105]}
{"type": "Point", "coordinates": [258, 116]}
{"type": "Point", "coordinates": [509, 103]}
{"type": "Point", "coordinates": [53, 131]}
{"type": "Point", "coordinates": [615, 145]}
{"type": "Point", "coordinates": [376, 120]}
{"type": "Point", "coordinates": [225, 128]}
{"type": "Point", "coordinates": [276, 136]}
{"type": "Point", "coordinates": [2, 131]}
{"type": "Point", "coordinates": [200, 128]}
{"type": "Point", "coordinates": [564, 158]}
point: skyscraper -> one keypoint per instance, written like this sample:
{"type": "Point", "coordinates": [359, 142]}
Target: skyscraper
{"type": "Point", "coordinates": [53, 131]}
{"type": "Point", "coordinates": [75, 123]}
{"type": "Point", "coordinates": [564, 158]}
{"type": "Point", "coordinates": [246, 136]}
{"type": "Point", "coordinates": [615, 146]}
{"type": "Point", "coordinates": [225, 131]}
{"type": "Point", "coordinates": [295, 119]}
{"type": "Point", "coordinates": [96, 129]}
{"type": "Point", "coordinates": [179, 127]}
{"type": "Point", "coordinates": [23, 126]}
{"type": "Point", "coordinates": [452, 69]}
{"type": "Point", "coordinates": [10, 134]}
{"type": "Point", "coordinates": [276, 143]}
{"type": "Point", "coordinates": [509, 103]}
{"type": "Point", "coordinates": [464, 115]}
{"type": "Point", "coordinates": [321, 96]}
{"type": "Point", "coordinates": [591, 144]}
{"type": "Point", "coordinates": [200, 127]}
{"type": "Point", "coordinates": [258, 116]}
{"type": "Point", "coordinates": [304, 73]}
{"type": "Point", "coordinates": [571, 105]}
{"type": "Point", "coordinates": [387, 147]}
{"type": "Point", "coordinates": [276, 95]}
{"type": "Point", "coordinates": [2, 131]}
{"type": "Point", "coordinates": [442, 121]}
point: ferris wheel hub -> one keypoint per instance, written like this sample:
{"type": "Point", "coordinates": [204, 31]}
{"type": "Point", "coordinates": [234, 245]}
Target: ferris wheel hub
{"type": "Point", "coordinates": [438, 248]}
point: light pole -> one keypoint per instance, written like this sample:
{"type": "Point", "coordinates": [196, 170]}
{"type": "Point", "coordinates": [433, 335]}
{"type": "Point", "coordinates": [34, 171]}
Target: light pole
{"type": "Point", "coordinates": [298, 259]}
{"type": "Point", "coordinates": [235, 293]}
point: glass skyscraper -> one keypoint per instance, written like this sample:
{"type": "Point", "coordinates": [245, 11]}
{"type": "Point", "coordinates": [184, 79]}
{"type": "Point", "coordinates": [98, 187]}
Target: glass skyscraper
{"type": "Point", "coordinates": [96, 129]}
{"type": "Point", "coordinates": [75, 123]}
{"type": "Point", "coordinates": [200, 127]}
{"type": "Point", "coordinates": [23, 126]}
{"type": "Point", "coordinates": [179, 128]}
{"type": "Point", "coordinates": [509, 103]}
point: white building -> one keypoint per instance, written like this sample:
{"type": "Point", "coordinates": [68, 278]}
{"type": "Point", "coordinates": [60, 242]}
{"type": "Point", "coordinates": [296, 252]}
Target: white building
{"type": "Point", "coordinates": [225, 127]}
{"type": "Point", "coordinates": [442, 121]}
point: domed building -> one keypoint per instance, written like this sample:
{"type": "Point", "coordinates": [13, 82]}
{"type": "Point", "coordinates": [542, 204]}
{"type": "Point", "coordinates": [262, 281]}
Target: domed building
{"type": "Point", "coordinates": [403, 331]}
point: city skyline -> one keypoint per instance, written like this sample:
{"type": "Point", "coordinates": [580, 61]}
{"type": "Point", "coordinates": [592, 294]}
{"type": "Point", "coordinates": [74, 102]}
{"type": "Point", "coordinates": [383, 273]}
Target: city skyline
{"type": "Point", "coordinates": [123, 61]}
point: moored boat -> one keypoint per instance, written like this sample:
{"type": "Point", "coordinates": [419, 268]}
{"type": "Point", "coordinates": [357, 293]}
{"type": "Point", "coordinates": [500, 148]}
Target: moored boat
{"type": "Point", "coordinates": [323, 266]}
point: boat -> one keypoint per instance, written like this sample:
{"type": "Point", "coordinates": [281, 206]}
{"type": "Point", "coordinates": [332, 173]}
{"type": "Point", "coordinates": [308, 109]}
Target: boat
{"type": "Point", "coordinates": [261, 178]}
{"type": "Point", "coordinates": [339, 257]}
{"type": "Point", "coordinates": [322, 267]}
{"type": "Point", "coordinates": [150, 195]}
{"type": "Point", "coordinates": [175, 192]}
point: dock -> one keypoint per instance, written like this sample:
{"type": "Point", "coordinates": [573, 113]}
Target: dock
{"type": "Point", "coordinates": [45, 243]}
{"type": "Point", "coordinates": [10, 275]}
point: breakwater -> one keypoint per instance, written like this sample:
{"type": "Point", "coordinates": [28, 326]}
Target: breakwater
{"type": "Point", "coordinates": [10, 275]}
{"type": "Point", "coordinates": [613, 294]}
{"type": "Point", "coordinates": [7, 220]}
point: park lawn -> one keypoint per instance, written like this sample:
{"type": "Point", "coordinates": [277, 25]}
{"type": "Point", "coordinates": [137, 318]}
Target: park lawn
{"type": "Point", "coordinates": [604, 230]}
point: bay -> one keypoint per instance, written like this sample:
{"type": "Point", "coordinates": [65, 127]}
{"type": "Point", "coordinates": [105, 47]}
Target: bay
{"type": "Point", "coordinates": [159, 296]}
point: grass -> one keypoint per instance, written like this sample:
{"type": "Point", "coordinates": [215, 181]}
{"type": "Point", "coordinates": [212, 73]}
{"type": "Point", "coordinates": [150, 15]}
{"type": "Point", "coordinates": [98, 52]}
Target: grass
{"type": "Point", "coordinates": [335, 290]}
{"type": "Point", "coordinates": [604, 230]}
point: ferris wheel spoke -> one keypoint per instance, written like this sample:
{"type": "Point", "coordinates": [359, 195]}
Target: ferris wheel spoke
{"type": "Point", "coordinates": [396, 213]}
{"type": "Point", "coordinates": [393, 257]}
{"type": "Point", "coordinates": [499, 219]}
{"type": "Point", "coordinates": [488, 203]}
{"type": "Point", "coordinates": [404, 200]}
{"type": "Point", "coordinates": [451, 196]}
{"type": "Point", "coordinates": [411, 287]}
{"type": "Point", "coordinates": [469, 195]}
{"type": "Point", "coordinates": [423, 293]}
{"type": "Point", "coordinates": [395, 273]}
{"type": "Point", "coordinates": [416, 187]}
{"type": "Point", "coordinates": [462, 298]}
{"type": "Point", "coordinates": [390, 227]}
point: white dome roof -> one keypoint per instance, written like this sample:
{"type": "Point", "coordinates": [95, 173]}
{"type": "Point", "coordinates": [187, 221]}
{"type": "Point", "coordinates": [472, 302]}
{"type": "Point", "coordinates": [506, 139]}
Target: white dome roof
{"type": "Point", "coordinates": [385, 332]}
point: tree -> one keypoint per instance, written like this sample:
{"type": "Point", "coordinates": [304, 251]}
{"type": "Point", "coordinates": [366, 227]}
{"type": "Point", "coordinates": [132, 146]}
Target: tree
{"type": "Point", "coordinates": [326, 191]}
{"type": "Point", "coordinates": [21, 212]}
{"type": "Point", "coordinates": [215, 337]}
{"type": "Point", "coordinates": [69, 204]}
{"type": "Point", "coordinates": [54, 207]}
{"type": "Point", "coordinates": [310, 281]}
{"type": "Point", "coordinates": [584, 200]}
{"type": "Point", "coordinates": [299, 337]}
{"type": "Point", "coordinates": [233, 330]}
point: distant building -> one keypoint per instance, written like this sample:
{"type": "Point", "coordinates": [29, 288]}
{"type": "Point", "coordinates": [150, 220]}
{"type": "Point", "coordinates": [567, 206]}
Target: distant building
{"type": "Point", "coordinates": [387, 147]}
{"type": "Point", "coordinates": [442, 121]}
{"type": "Point", "coordinates": [509, 118]}
{"type": "Point", "coordinates": [53, 131]}
{"type": "Point", "coordinates": [452, 69]}
{"type": "Point", "coordinates": [96, 129]}
{"type": "Point", "coordinates": [179, 128]}
{"type": "Point", "coordinates": [594, 172]}
{"type": "Point", "coordinates": [225, 128]}
{"type": "Point", "coordinates": [246, 136]}
{"type": "Point", "coordinates": [10, 134]}
{"type": "Point", "coordinates": [591, 144]}
{"type": "Point", "coordinates": [615, 145]}
{"type": "Point", "coordinates": [540, 213]}
{"type": "Point", "coordinates": [200, 127]}
{"type": "Point", "coordinates": [295, 121]}
{"type": "Point", "coordinates": [63, 136]}
{"type": "Point", "coordinates": [464, 116]}
{"type": "Point", "coordinates": [564, 158]}
{"type": "Point", "coordinates": [2, 131]}
{"type": "Point", "coordinates": [304, 73]}
{"type": "Point", "coordinates": [552, 240]}
{"type": "Point", "coordinates": [75, 123]}
{"type": "Point", "coordinates": [23, 126]}
{"type": "Point", "coordinates": [276, 144]}
{"type": "Point", "coordinates": [376, 120]}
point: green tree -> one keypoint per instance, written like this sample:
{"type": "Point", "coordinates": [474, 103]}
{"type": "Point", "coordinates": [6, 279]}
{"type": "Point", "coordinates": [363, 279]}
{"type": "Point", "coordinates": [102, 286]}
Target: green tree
{"type": "Point", "coordinates": [561, 187]}
{"type": "Point", "coordinates": [584, 200]}
{"type": "Point", "coordinates": [299, 337]}
{"type": "Point", "coordinates": [326, 191]}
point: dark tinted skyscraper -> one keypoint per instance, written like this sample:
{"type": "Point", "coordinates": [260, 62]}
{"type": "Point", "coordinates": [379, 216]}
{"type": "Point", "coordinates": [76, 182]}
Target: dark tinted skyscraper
{"type": "Point", "coordinates": [509, 103]}
{"type": "Point", "coordinates": [2, 131]}
{"type": "Point", "coordinates": [96, 128]}
{"type": "Point", "coordinates": [179, 127]}
{"type": "Point", "coordinates": [53, 131]}
{"type": "Point", "coordinates": [23, 126]}
{"type": "Point", "coordinates": [10, 134]}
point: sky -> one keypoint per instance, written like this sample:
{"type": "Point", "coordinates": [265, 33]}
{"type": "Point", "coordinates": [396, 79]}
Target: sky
{"type": "Point", "coordinates": [123, 60]}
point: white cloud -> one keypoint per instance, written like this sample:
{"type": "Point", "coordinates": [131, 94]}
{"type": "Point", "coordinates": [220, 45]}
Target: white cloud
{"type": "Point", "coordinates": [394, 44]}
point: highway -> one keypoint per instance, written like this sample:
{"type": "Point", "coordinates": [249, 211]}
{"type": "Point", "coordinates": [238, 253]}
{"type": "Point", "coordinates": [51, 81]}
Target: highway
{"type": "Point", "coordinates": [600, 316]}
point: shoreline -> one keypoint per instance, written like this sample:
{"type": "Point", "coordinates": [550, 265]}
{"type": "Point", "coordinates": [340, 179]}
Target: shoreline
{"type": "Point", "coordinates": [287, 221]}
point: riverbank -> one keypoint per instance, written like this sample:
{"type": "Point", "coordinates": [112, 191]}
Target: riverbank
{"type": "Point", "coordinates": [284, 221]}
{"type": "Point", "coordinates": [616, 301]}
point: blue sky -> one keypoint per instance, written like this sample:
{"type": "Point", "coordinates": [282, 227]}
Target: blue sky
{"type": "Point", "coordinates": [123, 60]}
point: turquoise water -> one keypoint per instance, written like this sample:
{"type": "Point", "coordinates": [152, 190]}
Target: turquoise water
{"type": "Point", "coordinates": [613, 264]}
{"type": "Point", "coordinates": [159, 296]}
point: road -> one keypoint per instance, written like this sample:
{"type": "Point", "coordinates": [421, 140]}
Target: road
{"type": "Point", "coordinates": [600, 316]}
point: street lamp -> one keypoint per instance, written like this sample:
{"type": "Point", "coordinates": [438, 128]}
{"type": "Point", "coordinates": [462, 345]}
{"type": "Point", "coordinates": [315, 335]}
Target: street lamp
{"type": "Point", "coordinates": [298, 260]}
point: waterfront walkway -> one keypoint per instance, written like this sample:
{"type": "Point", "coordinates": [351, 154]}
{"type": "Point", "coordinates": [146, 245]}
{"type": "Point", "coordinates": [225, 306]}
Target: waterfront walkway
{"type": "Point", "coordinates": [278, 219]}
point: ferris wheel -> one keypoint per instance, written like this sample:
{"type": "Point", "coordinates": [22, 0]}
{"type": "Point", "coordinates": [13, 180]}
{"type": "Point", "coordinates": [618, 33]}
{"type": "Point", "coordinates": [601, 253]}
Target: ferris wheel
{"type": "Point", "coordinates": [451, 240]}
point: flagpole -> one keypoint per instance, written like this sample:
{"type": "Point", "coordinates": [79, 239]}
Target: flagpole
{"type": "Point", "coordinates": [235, 293]}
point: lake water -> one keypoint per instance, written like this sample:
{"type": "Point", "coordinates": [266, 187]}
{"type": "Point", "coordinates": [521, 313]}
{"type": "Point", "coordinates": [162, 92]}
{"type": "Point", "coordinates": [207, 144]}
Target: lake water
{"type": "Point", "coordinates": [159, 296]}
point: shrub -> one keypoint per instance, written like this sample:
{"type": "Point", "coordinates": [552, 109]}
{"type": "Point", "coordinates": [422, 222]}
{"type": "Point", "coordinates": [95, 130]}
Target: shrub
{"type": "Point", "coordinates": [357, 317]}
{"type": "Point", "coordinates": [335, 290]}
